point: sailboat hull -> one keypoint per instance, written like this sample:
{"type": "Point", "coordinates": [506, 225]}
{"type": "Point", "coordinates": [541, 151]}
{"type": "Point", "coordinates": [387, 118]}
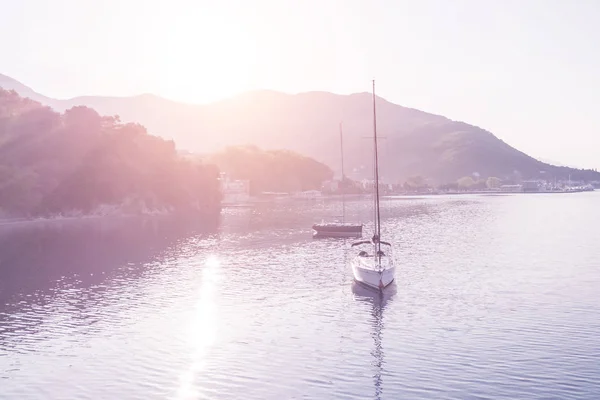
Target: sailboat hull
{"type": "Point", "coordinates": [374, 275]}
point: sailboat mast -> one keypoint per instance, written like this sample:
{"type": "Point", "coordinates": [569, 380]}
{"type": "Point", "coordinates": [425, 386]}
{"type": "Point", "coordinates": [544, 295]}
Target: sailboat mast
{"type": "Point", "coordinates": [343, 176]}
{"type": "Point", "coordinates": [377, 216]}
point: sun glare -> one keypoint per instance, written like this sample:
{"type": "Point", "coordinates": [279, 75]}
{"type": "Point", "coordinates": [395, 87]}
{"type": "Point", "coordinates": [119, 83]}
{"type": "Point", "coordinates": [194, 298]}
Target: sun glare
{"type": "Point", "coordinates": [203, 328]}
{"type": "Point", "coordinates": [209, 59]}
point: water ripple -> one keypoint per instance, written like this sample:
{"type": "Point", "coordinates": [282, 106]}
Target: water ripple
{"type": "Point", "coordinates": [492, 301]}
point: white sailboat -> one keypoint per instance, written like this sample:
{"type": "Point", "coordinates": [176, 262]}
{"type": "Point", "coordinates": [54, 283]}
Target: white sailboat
{"type": "Point", "coordinates": [374, 265]}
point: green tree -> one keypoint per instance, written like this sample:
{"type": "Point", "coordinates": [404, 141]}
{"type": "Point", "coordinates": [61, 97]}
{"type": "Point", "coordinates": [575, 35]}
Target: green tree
{"type": "Point", "coordinates": [52, 163]}
{"type": "Point", "coordinates": [272, 170]}
{"type": "Point", "coordinates": [465, 182]}
{"type": "Point", "coordinates": [493, 182]}
{"type": "Point", "coordinates": [415, 183]}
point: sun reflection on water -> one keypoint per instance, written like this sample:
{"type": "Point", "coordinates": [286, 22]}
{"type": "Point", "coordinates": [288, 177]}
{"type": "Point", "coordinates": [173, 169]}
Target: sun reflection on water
{"type": "Point", "coordinates": [203, 327]}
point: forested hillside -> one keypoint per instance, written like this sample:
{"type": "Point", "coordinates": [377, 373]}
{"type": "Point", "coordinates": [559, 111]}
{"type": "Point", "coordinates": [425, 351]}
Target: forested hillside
{"type": "Point", "coordinates": [79, 162]}
{"type": "Point", "coordinates": [416, 143]}
{"type": "Point", "coordinates": [272, 170]}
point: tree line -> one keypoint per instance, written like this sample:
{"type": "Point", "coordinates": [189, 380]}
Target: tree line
{"type": "Point", "coordinates": [53, 163]}
{"type": "Point", "coordinates": [272, 170]}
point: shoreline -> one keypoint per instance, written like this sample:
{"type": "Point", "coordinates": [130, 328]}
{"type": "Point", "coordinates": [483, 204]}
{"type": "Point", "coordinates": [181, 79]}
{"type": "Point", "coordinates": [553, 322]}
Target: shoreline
{"type": "Point", "coordinates": [490, 192]}
{"type": "Point", "coordinates": [327, 197]}
{"type": "Point", "coordinates": [21, 221]}
{"type": "Point", "coordinates": [254, 202]}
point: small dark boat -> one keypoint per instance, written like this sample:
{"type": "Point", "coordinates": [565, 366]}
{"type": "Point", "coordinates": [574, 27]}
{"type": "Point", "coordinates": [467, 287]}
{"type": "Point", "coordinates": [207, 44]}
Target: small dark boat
{"type": "Point", "coordinates": [337, 229]}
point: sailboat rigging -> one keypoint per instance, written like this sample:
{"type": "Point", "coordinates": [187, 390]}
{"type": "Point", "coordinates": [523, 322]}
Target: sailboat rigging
{"type": "Point", "coordinates": [375, 269]}
{"type": "Point", "coordinates": [343, 176]}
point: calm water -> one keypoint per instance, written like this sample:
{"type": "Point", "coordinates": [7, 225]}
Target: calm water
{"type": "Point", "coordinates": [496, 298]}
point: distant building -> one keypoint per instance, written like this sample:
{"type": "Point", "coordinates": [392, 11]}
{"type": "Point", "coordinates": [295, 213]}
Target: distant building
{"type": "Point", "coordinates": [234, 191]}
{"type": "Point", "coordinates": [367, 184]}
{"type": "Point", "coordinates": [511, 188]}
{"type": "Point", "coordinates": [330, 186]}
{"type": "Point", "coordinates": [531, 186]}
{"type": "Point", "coordinates": [308, 195]}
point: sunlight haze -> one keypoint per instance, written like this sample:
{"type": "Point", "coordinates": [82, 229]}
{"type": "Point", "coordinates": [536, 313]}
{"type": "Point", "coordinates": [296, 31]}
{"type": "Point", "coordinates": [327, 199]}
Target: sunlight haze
{"type": "Point", "coordinates": [285, 199]}
{"type": "Point", "coordinates": [524, 70]}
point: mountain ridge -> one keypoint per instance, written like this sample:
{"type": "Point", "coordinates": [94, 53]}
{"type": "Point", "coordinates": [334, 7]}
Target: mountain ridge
{"type": "Point", "coordinates": [416, 142]}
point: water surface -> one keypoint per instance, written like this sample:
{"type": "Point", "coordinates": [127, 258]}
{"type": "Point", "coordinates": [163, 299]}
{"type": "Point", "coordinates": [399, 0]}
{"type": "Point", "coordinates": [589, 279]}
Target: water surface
{"type": "Point", "coordinates": [496, 298]}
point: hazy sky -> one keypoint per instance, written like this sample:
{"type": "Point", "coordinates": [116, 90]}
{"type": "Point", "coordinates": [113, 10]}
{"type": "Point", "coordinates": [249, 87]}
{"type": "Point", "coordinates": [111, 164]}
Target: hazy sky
{"type": "Point", "coordinates": [527, 70]}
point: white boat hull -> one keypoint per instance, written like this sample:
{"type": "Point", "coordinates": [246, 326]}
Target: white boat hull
{"type": "Point", "coordinates": [370, 272]}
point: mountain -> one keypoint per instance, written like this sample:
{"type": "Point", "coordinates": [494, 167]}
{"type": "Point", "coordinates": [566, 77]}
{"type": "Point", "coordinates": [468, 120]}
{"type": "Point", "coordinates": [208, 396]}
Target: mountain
{"type": "Point", "coordinates": [551, 162]}
{"type": "Point", "coordinates": [8, 83]}
{"type": "Point", "coordinates": [557, 163]}
{"type": "Point", "coordinates": [415, 143]}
